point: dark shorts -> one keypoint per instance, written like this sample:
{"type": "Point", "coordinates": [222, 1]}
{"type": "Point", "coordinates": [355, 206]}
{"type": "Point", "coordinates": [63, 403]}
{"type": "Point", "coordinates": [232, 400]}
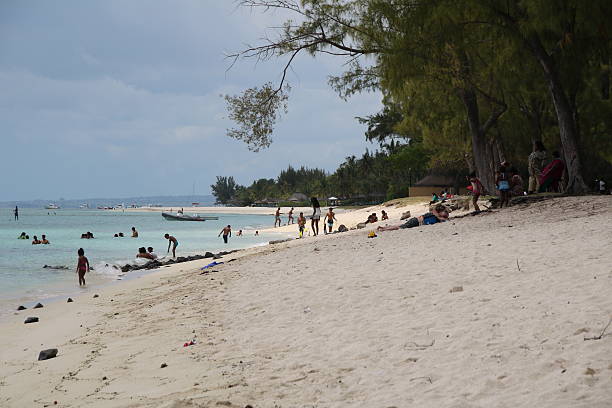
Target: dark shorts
{"type": "Point", "coordinates": [411, 223]}
{"type": "Point", "coordinates": [225, 239]}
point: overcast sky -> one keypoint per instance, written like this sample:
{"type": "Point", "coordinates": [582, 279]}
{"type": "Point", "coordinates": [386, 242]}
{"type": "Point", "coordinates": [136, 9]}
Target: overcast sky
{"type": "Point", "coordinates": [122, 98]}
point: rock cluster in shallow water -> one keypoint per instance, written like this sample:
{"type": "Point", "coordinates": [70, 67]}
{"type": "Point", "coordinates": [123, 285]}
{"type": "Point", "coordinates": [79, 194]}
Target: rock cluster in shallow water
{"type": "Point", "coordinates": [154, 264]}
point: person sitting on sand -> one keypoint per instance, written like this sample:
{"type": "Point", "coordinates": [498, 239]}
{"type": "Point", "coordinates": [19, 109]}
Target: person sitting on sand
{"type": "Point", "coordinates": [384, 215]}
{"type": "Point", "coordinates": [372, 218]}
{"type": "Point", "coordinates": [36, 241]}
{"type": "Point", "coordinates": [142, 253]}
{"type": "Point", "coordinates": [330, 217]}
{"type": "Point", "coordinates": [44, 240]}
{"type": "Point", "coordinates": [171, 241]}
{"type": "Point", "coordinates": [434, 198]}
{"type": "Point", "coordinates": [134, 232]}
{"type": "Point", "coordinates": [82, 266]}
{"type": "Point", "coordinates": [226, 231]}
{"type": "Point", "coordinates": [290, 219]}
{"type": "Point", "coordinates": [153, 254]}
{"type": "Point", "coordinates": [437, 214]}
{"type": "Point", "coordinates": [301, 223]}
{"type": "Point", "coordinates": [516, 183]}
{"type": "Point", "coordinates": [22, 236]}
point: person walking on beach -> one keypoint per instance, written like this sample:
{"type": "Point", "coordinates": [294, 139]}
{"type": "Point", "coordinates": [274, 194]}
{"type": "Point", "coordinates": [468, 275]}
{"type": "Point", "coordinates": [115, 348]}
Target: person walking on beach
{"type": "Point", "coordinates": [290, 220]}
{"type": "Point", "coordinates": [316, 215]}
{"type": "Point", "coordinates": [134, 232]}
{"type": "Point", "coordinates": [16, 213]}
{"type": "Point", "coordinates": [477, 190]}
{"type": "Point", "coordinates": [277, 219]}
{"type": "Point", "coordinates": [171, 241]}
{"type": "Point", "coordinates": [502, 180]}
{"type": "Point", "coordinates": [329, 219]}
{"type": "Point", "coordinates": [227, 231]}
{"type": "Point", "coordinates": [82, 266]}
{"type": "Point", "coordinates": [301, 224]}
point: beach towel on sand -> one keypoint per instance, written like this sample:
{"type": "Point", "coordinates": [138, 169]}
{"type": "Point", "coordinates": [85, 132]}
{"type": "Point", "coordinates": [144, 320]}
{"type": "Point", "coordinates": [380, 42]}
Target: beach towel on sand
{"type": "Point", "coordinates": [210, 265]}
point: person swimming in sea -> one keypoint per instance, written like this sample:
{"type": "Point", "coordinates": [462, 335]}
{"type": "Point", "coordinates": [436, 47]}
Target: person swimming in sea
{"type": "Point", "coordinates": [153, 254]}
{"type": "Point", "coordinates": [44, 240]}
{"type": "Point", "coordinates": [142, 253]}
{"type": "Point", "coordinates": [134, 232]}
{"type": "Point", "coordinates": [36, 241]}
{"type": "Point", "coordinates": [23, 236]}
{"type": "Point", "coordinates": [172, 241]}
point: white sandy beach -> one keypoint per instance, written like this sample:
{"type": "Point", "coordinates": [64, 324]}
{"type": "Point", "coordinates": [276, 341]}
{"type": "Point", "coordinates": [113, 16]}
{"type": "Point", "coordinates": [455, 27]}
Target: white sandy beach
{"type": "Point", "coordinates": [484, 311]}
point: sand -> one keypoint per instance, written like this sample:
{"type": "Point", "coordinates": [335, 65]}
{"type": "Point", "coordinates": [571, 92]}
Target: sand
{"type": "Point", "coordinates": [484, 311]}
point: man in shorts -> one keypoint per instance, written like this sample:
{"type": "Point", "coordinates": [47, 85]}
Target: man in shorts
{"type": "Point", "coordinates": [330, 217]}
{"type": "Point", "coordinates": [227, 231]}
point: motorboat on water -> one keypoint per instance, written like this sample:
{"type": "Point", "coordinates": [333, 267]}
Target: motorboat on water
{"type": "Point", "coordinates": [185, 217]}
{"type": "Point", "coordinates": [52, 207]}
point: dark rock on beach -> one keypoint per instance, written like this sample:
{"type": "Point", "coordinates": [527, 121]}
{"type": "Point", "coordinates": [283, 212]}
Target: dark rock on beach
{"type": "Point", "coordinates": [70, 300]}
{"type": "Point", "coordinates": [38, 306]}
{"type": "Point", "coordinates": [96, 295]}
{"type": "Point", "coordinates": [208, 255]}
{"type": "Point", "coordinates": [31, 320]}
{"type": "Point", "coordinates": [126, 268]}
{"type": "Point", "coordinates": [22, 307]}
{"type": "Point", "coordinates": [47, 354]}
{"type": "Point", "coordinates": [60, 267]}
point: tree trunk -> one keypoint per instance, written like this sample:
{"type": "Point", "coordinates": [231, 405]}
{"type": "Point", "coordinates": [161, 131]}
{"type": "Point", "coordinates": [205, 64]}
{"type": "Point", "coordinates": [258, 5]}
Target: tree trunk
{"type": "Point", "coordinates": [565, 117]}
{"type": "Point", "coordinates": [480, 148]}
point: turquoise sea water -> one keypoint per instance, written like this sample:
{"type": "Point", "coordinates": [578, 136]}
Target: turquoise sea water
{"type": "Point", "coordinates": [23, 278]}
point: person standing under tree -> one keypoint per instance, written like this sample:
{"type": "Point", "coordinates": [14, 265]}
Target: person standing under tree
{"type": "Point", "coordinates": [535, 162]}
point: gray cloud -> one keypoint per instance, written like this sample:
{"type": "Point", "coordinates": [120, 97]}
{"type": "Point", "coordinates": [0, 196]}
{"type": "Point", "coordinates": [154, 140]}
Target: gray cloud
{"type": "Point", "coordinates": [122, 98]}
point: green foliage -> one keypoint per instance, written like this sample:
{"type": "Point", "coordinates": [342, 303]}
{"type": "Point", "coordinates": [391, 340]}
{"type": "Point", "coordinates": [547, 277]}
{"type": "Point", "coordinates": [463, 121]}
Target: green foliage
{"type": "Point", "coordinates": [464, 83]}
{"type": "Point", "coordinates": [256, 112]}
{"type": "Point", "coordinates": [224, 189]}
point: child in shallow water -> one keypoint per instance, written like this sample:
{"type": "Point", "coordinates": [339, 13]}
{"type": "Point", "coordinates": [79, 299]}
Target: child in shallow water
{"type": "Point", "coordinates": [82, 266]}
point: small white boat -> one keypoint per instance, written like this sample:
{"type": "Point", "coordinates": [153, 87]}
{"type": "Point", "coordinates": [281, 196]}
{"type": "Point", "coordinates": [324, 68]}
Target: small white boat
{"type": "Point", "coordinates": [51, 207]}
{"type": "Point", "coordinates": [84, 205]}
